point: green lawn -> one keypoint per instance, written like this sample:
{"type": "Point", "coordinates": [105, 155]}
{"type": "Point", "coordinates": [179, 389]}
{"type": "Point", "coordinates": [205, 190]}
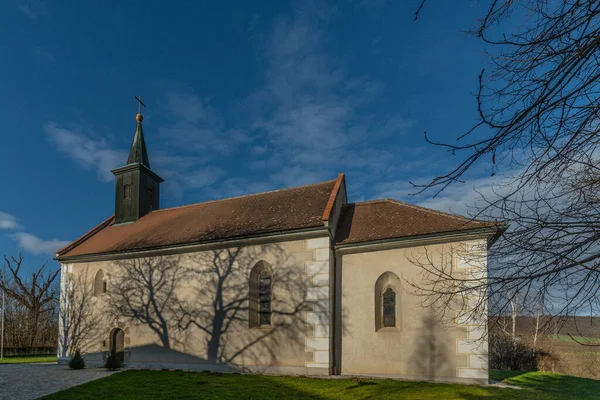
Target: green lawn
{"type": "Point", "coordinates": [548, 382]}
{"type": "Point", "coordinates": [174, 385]}
{"type": "Point", "coordinates": [27, 359]}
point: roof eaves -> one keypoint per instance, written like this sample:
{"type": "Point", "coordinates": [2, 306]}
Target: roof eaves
{"type": "Point", "coordinates": [85, 236]}
{"type": "Point", "coordinates": [480, 231]}
{"type": "Point", "coordinates": [189, 246]}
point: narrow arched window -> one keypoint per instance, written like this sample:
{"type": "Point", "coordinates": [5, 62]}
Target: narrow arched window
{"type": "Point", "coordinates": [264, 287]}
{"type": "Point", "coordinates": [388, 313]}
{"type": "Point", "coordinates": [387, 301]}
{"type": "Point", "coordinates": [260, 295]}
{"type": "Point", "coordinates": [99, 283]}
{"type": "Point", "coordinates": [126, 192]}
{"type": "Point", "coordinates": [150, 198]}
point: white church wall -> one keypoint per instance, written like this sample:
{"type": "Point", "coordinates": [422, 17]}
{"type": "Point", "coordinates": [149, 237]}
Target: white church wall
{"type": "Point", "coordinates": [421, 345]}
{"type": "Point", "coordinates": [298, 342]}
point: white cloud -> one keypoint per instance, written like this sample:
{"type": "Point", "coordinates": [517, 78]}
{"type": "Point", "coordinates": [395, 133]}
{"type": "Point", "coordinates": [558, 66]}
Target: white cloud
{"type": "Point", "coordinates": [90, 153]}
{"type": "Point", "coordinates": [35, 245]}
{"type": "Point", "coordinates": [32, 8]}
{"type": "Point", "coordinates": [8, 221]}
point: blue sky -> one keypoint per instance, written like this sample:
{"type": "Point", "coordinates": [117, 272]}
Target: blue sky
{"type": "Point", "coordinates": [242, 97]}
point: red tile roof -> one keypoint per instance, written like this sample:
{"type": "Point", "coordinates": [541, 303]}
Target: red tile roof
{"type": "Point", "coordinates": [269, 212]}
{"type": "Point", "coordinates": [391, 219]}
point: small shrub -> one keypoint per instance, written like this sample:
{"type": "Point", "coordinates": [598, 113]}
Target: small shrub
{"type": "Point", "coordinates": [77, 361]}
{"type": "Point", "coordinates": [113, 362]}
{"type": "Point", "coordinates": [514, 355]}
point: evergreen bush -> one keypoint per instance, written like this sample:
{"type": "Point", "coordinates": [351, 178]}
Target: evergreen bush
{"type": "Point", "coordinates": [77, 361]}
{"type": "Point", "coordinates": [113, 362]}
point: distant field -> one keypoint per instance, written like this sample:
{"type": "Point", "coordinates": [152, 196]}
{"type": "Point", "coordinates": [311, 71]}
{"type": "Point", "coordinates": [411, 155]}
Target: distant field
{"type": "Point", "coordinates": [567, 338]}
{"type": "Point", "coordinates": [28, 360]}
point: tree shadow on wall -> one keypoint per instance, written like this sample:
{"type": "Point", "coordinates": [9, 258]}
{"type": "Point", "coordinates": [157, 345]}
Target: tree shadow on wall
{"type": "Point", "coordinates": [223, 307]}
{"type": "Point", "coordinates": [199, 304]}
{"type": "Point", "coordinates": [144, 291]}
{"type": "Point", "coordinates": [430, 357]}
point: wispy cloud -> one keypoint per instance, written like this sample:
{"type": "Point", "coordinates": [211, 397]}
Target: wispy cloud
{"type": "Point", "coordinates": [309, 110]}
{"type": "Point", "coordinates": [204, 177]}
{"type": "Point", "coordinates": [460, 198]}
{"type": "Point", "coordinates": [8, 221]}
{"type": "Point", "coordinates": [35, 245]}
{"type": "Point", "coordinates": [91, 154]}
{"type": "Point", "coordinates": [33, 9]}
{"type": "Point", "coordinates": [43, 55]}
{"type": "Point", "coordinates": [305, 122]}
{"type": "Point", "coordinates": [194, 125]}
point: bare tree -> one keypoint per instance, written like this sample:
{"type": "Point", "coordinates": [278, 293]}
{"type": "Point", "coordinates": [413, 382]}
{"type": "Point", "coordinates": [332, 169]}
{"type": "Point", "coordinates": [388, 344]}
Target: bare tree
{"type": "Point", "coordinates": [80, 318]}
{"type": "Point", "coordinates": [539, 329]}
{"type": "Point", "coordinates": [514, 313]}
{"type": "Point", "coordinates": [38, 295]}
{"type": "Point", "coordinates": [539, 115]}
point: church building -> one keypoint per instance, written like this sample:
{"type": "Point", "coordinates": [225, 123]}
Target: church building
{"type": "Point", "coordinates": [291, 281]}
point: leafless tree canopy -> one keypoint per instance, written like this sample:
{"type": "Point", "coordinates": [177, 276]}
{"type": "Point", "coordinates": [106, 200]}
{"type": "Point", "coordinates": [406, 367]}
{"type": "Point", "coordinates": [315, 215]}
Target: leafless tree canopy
{"type": "Point", "coordinates": [538, 107]}
{"type": "Point", "coordinates": [32, 304]}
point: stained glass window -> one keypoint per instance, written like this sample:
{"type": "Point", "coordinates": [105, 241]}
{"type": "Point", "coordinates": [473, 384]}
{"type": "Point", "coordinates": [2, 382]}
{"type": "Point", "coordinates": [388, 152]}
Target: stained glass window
{"type": "Point", "coordinates": [389, 308]}
{"type": "Point", "coordinates": [264, 288]}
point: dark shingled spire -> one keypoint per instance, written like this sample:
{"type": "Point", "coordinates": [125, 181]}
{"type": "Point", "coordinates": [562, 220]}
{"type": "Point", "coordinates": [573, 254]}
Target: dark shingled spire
{"type": "Point", "coordinates": [138, 152]}
{"type": "Point", "coordinates": [137, 187]}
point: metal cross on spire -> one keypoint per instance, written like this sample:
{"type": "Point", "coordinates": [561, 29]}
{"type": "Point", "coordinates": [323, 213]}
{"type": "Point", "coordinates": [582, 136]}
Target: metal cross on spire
{"type": "Point", "coordinates": [140, 104]}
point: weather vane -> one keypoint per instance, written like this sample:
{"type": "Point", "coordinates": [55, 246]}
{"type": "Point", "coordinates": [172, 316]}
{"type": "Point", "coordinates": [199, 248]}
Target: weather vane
{"type": "Point", "coordinates": [140, 104]}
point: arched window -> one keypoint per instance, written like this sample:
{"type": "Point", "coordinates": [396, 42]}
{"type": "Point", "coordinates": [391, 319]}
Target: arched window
{"type": "Point", "coordinates": [126, 192]}
{"type": "Point", "coordinates": [99, 283]}
{"type": "Point", "coordinates": [150, 197]}
{"type": "Point", "coordinates": [387, 310]}
{"type": "Point", "coordinates": [261, 284]}
{"type": "Point", "coordinates": [388, 313]}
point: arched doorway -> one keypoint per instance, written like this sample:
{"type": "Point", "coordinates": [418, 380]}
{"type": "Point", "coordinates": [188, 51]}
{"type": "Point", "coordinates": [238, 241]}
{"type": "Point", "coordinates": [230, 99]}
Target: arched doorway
{"type": "Point", "coordinates": [117, 342]}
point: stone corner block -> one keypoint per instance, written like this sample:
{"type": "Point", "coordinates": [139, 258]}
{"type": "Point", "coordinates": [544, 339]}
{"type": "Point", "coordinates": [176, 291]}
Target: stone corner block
{"type": "Point", "coordinates": [317, 243]}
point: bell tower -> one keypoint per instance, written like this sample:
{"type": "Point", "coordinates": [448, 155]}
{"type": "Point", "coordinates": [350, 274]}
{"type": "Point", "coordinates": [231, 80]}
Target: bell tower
{"type": "Point", "coordinates": [137, 187]}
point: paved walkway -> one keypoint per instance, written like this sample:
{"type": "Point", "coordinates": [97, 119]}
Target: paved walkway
{"type": "Point", "coordinates": [30, 381]}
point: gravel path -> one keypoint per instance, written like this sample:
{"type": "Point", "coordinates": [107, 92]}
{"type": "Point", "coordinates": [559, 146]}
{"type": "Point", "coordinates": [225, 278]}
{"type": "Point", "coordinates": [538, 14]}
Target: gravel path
{"type": "Point", "coordinates": [30, 381]}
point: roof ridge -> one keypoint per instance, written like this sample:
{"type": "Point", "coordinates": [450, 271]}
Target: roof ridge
{"type": "Point", "coordinates": [431, 210]}
{"type": "Point", "coordinates": [332, 197]}
{"type": "Point", "coordinates": [243, 195]}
